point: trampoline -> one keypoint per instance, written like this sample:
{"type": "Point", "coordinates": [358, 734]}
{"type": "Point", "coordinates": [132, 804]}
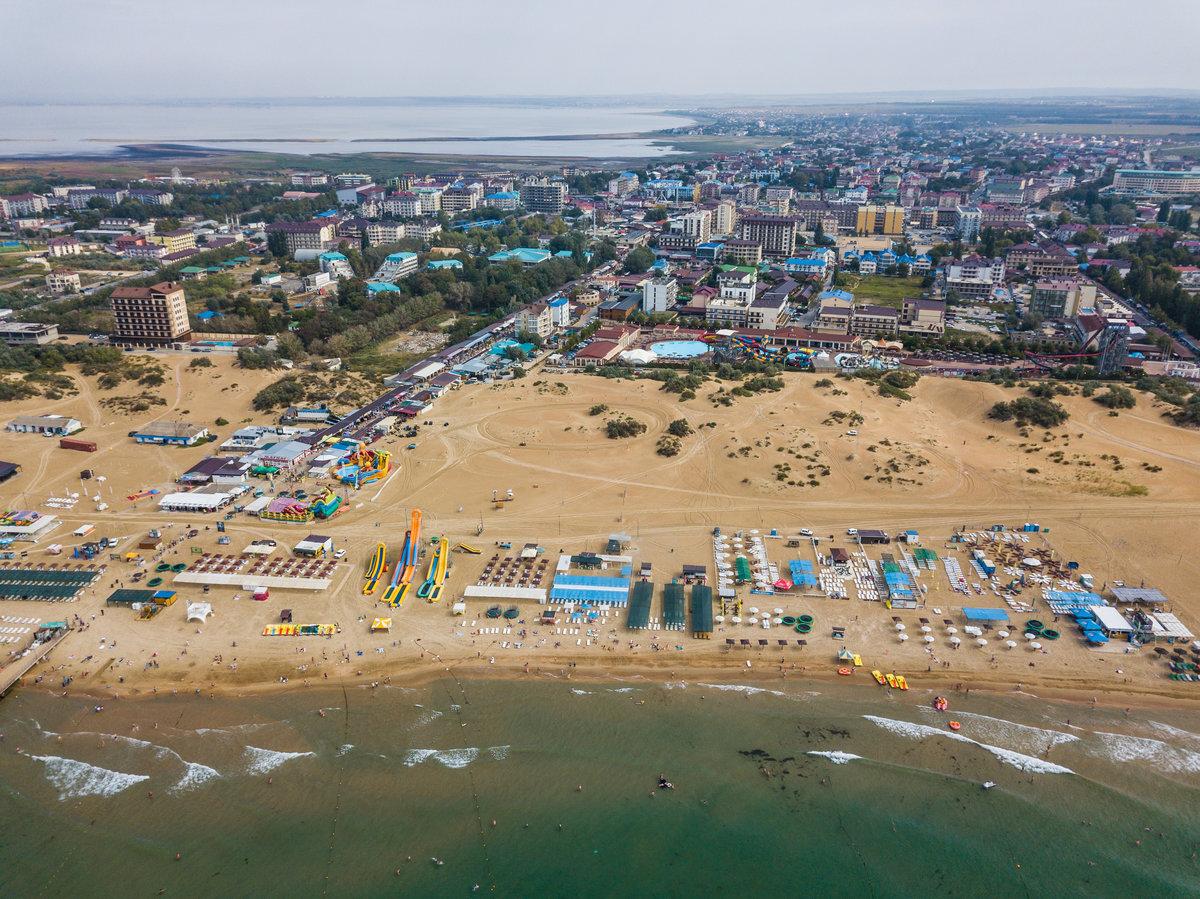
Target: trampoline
{"type": "Point", "coordinates": [679, 349]}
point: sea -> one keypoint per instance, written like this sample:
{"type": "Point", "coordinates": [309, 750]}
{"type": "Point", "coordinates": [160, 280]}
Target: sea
{"type": "Point", "coordinates": [335, 126]}
{"type": "Point", "coordinates": [551, 787]}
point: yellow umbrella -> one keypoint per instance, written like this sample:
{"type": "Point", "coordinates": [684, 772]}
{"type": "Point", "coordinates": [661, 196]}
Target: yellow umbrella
{"type": "Point", "coordinates": [381, 624]}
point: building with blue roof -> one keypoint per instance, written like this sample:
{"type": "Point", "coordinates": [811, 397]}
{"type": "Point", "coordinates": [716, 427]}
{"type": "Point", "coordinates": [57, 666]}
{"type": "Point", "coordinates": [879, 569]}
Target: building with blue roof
{"type": "Point", "coordinates": [374, 287]}
{"type": "Point", "coordinates": [836, 294]}
{"type": "Point", "coordinates": [798, 266]}
{"type": "Point", "coordinates": [438, 265]}
{"type": "Point", "coordinates": [523, 255]}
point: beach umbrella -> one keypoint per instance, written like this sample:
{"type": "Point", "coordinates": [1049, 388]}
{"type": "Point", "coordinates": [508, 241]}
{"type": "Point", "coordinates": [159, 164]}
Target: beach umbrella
{"type": "Point", "coordinates": [928, 638]}
{"type": "Point", "coordinates": [981, 641]}
{"type": "Point", "coordinates": [926, 629]}
{"type": "Point", "coordinates": [955, 640]}
{"type": "Point", "coordinates": [1035, 645]}
{"type": "Point", "coordinates": [1010, 643]}
{"type": "Point", "coordinates": [754, 621]}
{"type": "Point", "coordinates": [1001, 633]}
{"type": "Point", "coordinates": [779, 611]}
{"type": "Point", "coordinates": [1030, 636]}
{"type": "Point", "coordinates": [900, 626]}
{"type": "Point", "coordinates": [779, 620]}
{"type": "Point", "coordinates": [903, 637]}
{"type": "Point", "coordinates": [952, 630]}
{"type": "Point", "coordinates": [720, 619]}
{"type": "Point", "coordinates": [736, 620]}
{"type": "Point", "coordinates": [754, 610]}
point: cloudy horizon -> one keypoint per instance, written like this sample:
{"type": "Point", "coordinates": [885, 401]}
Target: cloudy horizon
{"type": "Point", "coordinates": [127, 50]}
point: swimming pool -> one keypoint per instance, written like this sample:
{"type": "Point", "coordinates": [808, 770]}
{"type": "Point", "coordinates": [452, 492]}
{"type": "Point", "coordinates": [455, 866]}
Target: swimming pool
{"type": "Point", "coordinates": [679, 349]}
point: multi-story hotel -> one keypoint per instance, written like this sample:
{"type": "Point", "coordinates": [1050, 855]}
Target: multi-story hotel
{"type": "Point", "coordinates": [154, 316]}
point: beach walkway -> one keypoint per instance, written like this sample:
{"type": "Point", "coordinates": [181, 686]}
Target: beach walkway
{"type": "Point", "coordinates": [13, 672]}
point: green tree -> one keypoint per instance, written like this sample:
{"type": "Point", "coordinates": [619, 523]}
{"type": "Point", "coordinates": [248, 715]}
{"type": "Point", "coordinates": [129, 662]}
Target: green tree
{"type": "Point", "coordinates": [638, 260]}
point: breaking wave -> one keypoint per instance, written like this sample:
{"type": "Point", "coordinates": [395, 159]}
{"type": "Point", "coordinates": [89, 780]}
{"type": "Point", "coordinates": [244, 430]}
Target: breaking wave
{"type": "Point", "coordinates": [453, 758]}
{"type": "Point", "coordinates": [75, 779]}
{"type": "Point", "coordinates": [835, 755]}
{"type": "Point", "coordinates": [263, 760]}
{"type": "Point", "coordinates": [1018, 760]}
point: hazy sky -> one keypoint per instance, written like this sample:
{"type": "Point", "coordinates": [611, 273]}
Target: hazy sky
{"type": "Point", "coordinates": [125, 49]}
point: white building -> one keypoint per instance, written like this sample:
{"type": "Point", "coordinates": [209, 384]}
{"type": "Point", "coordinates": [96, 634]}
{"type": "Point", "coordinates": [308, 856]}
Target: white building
{"type": "Point", "coordinates": [659, 295]}
{"type": "Point", "coordinates": [396, 265]}
{"type": "Point", "coordinates": [697, 225]}
{"type": "Point", "coordinates": [58, 425]}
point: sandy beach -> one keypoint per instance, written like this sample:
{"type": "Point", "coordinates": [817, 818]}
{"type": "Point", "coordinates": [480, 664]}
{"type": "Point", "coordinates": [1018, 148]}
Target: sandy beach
{"type": "Point", "coordinates": [1116, 494]}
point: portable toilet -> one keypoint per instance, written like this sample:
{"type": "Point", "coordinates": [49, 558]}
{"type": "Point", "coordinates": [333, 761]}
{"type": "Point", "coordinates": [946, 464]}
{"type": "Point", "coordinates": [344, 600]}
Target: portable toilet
{"type": "Point", "coordinates": [261, 594]}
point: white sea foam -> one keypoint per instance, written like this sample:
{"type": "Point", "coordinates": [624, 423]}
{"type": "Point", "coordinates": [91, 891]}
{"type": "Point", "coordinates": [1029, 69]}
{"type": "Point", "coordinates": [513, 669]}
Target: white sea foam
{"type": "Point", "coordinates": [1034, 739]}
{"type": "Point", "coordinates": [836, 755]}
{"type": "Point", "coordinates": [76, 779]}
{"type": "Point", "coordinates": [453, 758]}
{"type": "Point", "coordinates": [742, 688]}
{"type": "Point", "coordinates": [583, 692]}
{"type": "Point", "coordinates": [195, 776]}
{"type": "Point", "coordinates": [233, 728]}
{"type": "Point", "coordinates": [1126, 748]}
{"type": "Point", "coordinates": [263, 760]}
{"type": "Point", "coordinates": [344, 748]}
{"type": "Point", "coordinates": [622, 690]}
{"type": "Point", "coordinates": [1185, 735]}
{"type": "Point", "coordinates": [1018, 760]}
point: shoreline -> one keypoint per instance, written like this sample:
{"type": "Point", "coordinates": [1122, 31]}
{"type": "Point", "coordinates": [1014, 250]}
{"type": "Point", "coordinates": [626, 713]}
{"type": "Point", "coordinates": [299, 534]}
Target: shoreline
{"type": "Point", "coordinates": [766, 676]}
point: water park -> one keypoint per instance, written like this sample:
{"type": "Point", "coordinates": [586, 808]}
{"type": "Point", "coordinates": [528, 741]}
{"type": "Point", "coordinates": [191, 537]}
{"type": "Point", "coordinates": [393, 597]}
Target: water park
{"type": "Point", "coordinates": [297, 510]}
{"type": "Point", "coordinates": [439, 565]}
{"type": "Point", "coordinates": [364, 466]}
{"type": "Point", "coordinates": [406, 567]}
{"type": "Point", "coordinates": [798, 357]}
{"type": "Point", "coordinates": [375, 569]}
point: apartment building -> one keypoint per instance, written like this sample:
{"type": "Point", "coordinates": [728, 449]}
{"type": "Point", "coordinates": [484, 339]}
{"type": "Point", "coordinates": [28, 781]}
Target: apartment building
{"type": "Point", "coordinates": [309, 179]}
{"type": "Point", "coordinates": [1135, 182]}
{"type": "Point", "coordinates": [535, 319]}
{"type": "Point", "coordinates": [62, 281]}
{"type": "Point", "coordinates": [724, 218]}
{"type": "Point", "coordinates": [776, 234]}
{"type": "Point", "coordinates": [974, 277]}
{"type": "Point", "coordinates": [351, 179]}
{"type": "Point", "coordinates": [404, 205]}
{"type": "Point", "coordinates": [25, 204]}
{"type": "Point", "coordinates": [659, 295]}
{"type": "Point", "coordinates": [79, 199]}
{"type": "Point", "coordinates": [546, 197]}
{"type": "Point", "coordinates": [151, 196]}
{"type": "Point", "coordinates": [969, 220]}
{"type": "Point", "coordinates": [318, 234]}
{"type": "Point", "coordinates": [1062, 297]}
{"type": "Point", "coordinates": [63, 246]}
{"type": "Point", "coordinates": [886, 220]}
{"type": "Point", "coordinates": [385, 232]}
{"type": "Point", "coordinates": [697, 226]}
{"type": "Point", "coordinates": [174, 241]}
{"type": "Point", "coordinates": [459, 199]}
{"type": "Point", "coordinates": [154, 316]}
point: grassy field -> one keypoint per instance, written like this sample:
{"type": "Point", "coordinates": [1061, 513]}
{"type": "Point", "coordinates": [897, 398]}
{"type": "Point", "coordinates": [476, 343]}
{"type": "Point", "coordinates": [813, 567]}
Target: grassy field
{"type": "Point", "coordinates": [880, 290]}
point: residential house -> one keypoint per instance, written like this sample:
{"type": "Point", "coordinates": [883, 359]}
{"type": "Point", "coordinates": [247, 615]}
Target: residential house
{"type": "Point", "coordinates": [63, 246]}
{"type": "Point", "coordinates": [57, 425]}
{"type": "Point", "coordinates": [62, 281]}
{"type": "Point", "coordinates": [169, 433]}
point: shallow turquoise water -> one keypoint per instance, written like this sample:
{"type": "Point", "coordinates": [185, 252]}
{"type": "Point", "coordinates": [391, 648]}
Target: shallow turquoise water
{"type": "Point", "coordinates": [423, 772]}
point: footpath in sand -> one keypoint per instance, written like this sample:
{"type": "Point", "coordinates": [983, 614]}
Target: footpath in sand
{"type": "Point", "coordinates": [1118, 494]}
